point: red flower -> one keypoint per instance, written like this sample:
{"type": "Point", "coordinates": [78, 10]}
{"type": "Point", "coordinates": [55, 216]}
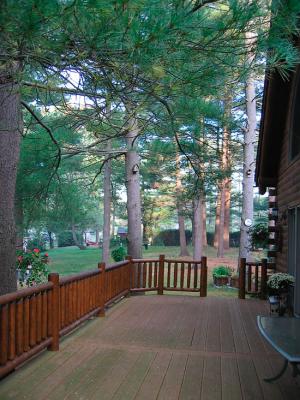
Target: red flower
{"type": "Point", "coordinates": [36, 250]}
{"type": "Point", "coordinates": [46, 255]}
{"type": "Point", "coordinates": [20, 258]}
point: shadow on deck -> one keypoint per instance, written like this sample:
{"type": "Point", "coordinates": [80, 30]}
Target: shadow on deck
{"type": "Point", "coordinates": [160, 347]}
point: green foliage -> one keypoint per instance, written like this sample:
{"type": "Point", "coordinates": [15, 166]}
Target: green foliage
{"type": "Point", "coordinates": [279, 282]}
{"type": "Point", "coordinates": [259, 235]}
{"type": "Point", "coordinates": [119, 254]}
{"type": "Point", "coordinates": [170, 237]}
{"type": "Point", "coordinates": [37, 241]}
{"type": "Point", "coordinates": [221, 271]}
{"type": "Point", "coordinates": [65, 239]}
{"type": "Point", "coordinates": [32, 267]}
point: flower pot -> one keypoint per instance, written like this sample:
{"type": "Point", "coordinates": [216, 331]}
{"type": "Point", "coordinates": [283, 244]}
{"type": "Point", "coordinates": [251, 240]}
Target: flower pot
{"type": "Point", "coordinates": [221, 280]}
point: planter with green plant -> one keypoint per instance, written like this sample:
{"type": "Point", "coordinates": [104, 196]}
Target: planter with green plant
{"type": "Point", "coordinates": [279, 286]}
{"type": "Point", "coordinates": [221, 275]}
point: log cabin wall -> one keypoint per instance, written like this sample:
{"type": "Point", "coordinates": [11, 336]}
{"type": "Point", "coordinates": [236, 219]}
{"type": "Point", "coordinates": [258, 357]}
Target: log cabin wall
{"type": "Point", "coordinates": [288, 186]}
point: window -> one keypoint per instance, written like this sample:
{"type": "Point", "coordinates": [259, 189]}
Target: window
{"type": "Point", "coordinates": [295, 121]}
{"type": "Point", "coordinates": [294, 253]}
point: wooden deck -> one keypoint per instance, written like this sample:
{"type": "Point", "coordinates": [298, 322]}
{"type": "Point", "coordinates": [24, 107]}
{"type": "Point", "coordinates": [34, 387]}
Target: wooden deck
{"type": "Point", "coordinates": [159, 347]}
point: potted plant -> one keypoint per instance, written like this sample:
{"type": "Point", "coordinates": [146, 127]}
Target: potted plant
{"type": "Point", "coordinates": [278, 289]}
{"type": "Point", "coordinates": [221, 275]}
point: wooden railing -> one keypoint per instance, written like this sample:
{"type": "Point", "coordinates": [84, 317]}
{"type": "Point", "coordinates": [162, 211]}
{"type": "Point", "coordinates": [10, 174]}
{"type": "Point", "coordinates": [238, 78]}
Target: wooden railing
{"type": "Point", "coordinates": [253, 278]}
{"type": "Point", "coordinates": [35, 318]}
{"type": "Point", "coordinates": [168, 274]}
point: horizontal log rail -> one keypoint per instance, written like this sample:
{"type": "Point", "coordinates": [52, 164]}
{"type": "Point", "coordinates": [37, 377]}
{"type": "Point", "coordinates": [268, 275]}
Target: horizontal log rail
{"type": "Point", "coordinates": [35, 318]}
{"type": "Point", "coordinates": [168, 275]}
{"type": "Point", "coordinates": [253, 278]}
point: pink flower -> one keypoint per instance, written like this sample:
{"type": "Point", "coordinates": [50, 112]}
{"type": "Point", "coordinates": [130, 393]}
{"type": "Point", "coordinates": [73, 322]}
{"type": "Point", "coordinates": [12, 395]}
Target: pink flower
{"type": "Point", "coordinates": [46, 255]}
{"type": "Point", "coordinates": [36, 250]}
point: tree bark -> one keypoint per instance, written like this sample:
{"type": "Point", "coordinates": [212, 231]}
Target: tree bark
{"type": "Point", "coordinates": [19, 218]}
{"type": "Point", "coordinates": [220, 252]}
{"type": "Point", "coordinates": [217, 221]}
{"type": "Point", "coordinates": [198, 227]}
{"type": "Point", "coordinates": [204, 239]}
{"type": "Point", "coordinates": [133, 192]}
{"type": "Point", "coordinates": [107, 208]}
{"type": "Point", "coordinates": [51, 242]}
{"type": "Point", "coordinates": [227, 215]}
{"type": "Point", "coordinates": [181, 223]}
{"type": "Point", "coordinates": [75, 238]}
{"type": "Point", "coordinates": [10, 129]}
{"type": "Point", "coordinates": [249, 160]}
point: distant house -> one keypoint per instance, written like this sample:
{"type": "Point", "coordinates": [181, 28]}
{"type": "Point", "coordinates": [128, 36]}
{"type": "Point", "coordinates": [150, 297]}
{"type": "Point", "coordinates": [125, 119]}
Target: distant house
{"type": "Point", "coordinates": [122, 232]}
{"type": "Point", "coordinates": [278, 167]}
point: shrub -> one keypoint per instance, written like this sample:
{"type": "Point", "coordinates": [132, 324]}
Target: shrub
{"type": "Point", "coordinates": [65, 239]}
{"type": "Point", "coordinates": [259, 236]}
{"type": "Point", "coordinates": [37, 242]}
{"type": "Point", "coordinates": [279, 282]}
{"type": "Point", "coordinates": [170, 237]}
{"type": "Point", "coordinates": [32, 267]}
{"type": "Point", "coordinates": [118, 254]}
{"type": "Point", "coordinates": [221, 271]}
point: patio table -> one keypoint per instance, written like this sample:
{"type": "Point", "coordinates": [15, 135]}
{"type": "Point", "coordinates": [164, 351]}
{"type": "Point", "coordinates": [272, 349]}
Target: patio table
{"type": "Point", "coordinates": [283, 334]}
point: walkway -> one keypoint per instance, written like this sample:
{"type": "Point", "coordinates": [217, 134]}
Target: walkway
{"type": "Point", "coordinates": [159, 347]}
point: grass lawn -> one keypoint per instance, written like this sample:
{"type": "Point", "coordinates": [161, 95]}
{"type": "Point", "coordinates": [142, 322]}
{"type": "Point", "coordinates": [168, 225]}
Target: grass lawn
{"type": "Point", "coordinates": [70, 260]}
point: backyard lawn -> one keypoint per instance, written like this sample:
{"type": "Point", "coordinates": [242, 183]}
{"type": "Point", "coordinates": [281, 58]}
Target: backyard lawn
{"type": "Point", "coordinates": [71, 260]}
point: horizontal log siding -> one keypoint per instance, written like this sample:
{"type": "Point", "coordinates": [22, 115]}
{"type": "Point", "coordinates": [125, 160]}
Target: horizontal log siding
{"type": "Point", "coordinates": [288, 195]}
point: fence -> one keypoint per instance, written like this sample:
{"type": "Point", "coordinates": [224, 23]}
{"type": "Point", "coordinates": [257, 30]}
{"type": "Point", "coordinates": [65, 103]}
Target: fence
{"type": "Point", "coordinates": [35, 318]}
{"type": "Point", "coordinates": [169, 275]}
{"type": "Point", "coordinates": [253, 278]}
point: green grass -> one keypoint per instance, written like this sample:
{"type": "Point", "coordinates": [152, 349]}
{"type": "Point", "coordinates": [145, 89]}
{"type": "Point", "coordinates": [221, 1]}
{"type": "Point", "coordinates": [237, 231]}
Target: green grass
{"type": "Point", "coordinates": [71, 260]}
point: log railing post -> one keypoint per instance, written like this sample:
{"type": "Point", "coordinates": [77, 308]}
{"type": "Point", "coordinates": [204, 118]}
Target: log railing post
{"type": "Point", "coordinates": [54, 309]}
{"type": "Point", "coordinates": [242, 278]}
{"type": "Point", "coordinates": [130, 267]}
{"type": "Point", "coordinates": [161, 274]}
{"type": "Point", "coordinates": [203, 277]}
{"type": "Point", "coordinates": [101, 294]}
{"type": "Point", "coordinates": [264, 277]}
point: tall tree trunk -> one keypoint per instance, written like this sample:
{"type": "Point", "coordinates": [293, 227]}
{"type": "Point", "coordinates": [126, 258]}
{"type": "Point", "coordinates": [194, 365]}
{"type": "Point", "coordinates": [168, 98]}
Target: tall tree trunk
{"type": "Point", "coordinates": [198, 227]}
{"type": "Point", "coordinates": [249, 160]}
{"type": "Point", "coordinates": [204, 239]}
{"type": "Point", "coordinates": [220, 252]}
{"type": "Point", "coordinates": [19, 218]}
{"type": "Point", "coordinates": [181, 222]}
{"type": "Point", "coordinates": [133, 192]}
{"type": "Point", "coordinates": [75, 238]}
{"type": "Point", "coordinates": [97, 235]}
{"type": "Point", "coordinates": [217, 221]}
{"type": "Point", "coordinates": [227, 215]}
{"type": "Point", "coordinates": [107, 207]}
{"type": "Point", "coordinates": [51, 242]}
{"type": "Point", "coordinates": [10, 129]}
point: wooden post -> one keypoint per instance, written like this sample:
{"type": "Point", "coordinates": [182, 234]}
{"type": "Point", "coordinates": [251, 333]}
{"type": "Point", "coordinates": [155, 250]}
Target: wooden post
{"type": "Point", "coordinates": [101, 294]}
{"type": "Point", "coordinates": [129, 275]}
{"type": "Point", "coordinates": [203, 277]}
{"type": "Point", "coordinates": [54, 309]}
{"type": "Point", "coordinates": [161, 275]}
{"type": "Point", "coordinates": [264, 277]}
{"type": "Point", "coordinates": [242, 278]}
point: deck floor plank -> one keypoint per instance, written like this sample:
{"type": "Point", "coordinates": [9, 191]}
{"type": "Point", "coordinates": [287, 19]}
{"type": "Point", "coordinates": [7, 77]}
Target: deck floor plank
{"type": "Point", "coordinates": [160, 347]}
